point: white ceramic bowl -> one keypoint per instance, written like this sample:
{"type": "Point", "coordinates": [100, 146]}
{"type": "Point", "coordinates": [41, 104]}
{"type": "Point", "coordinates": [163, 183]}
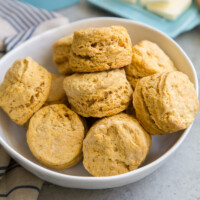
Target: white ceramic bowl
{"type": "Point", "coordinates": [13, 137]}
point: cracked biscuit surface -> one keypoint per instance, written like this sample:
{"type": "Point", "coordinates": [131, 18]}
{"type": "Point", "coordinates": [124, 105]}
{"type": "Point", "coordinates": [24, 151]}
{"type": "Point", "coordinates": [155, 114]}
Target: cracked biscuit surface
{"type": "Point", "coordinates": [61, 53]}
{"type": "Point", "coordinates": [165, 102]}
{"type": "Point", "coordinates": [55, 135]}
{"type": "Point", "coordinates": [147, 59]}
{"type": "Point", "coordinates": [57, 94]}
{"type": "Point", "coordinates": [99, 49]}
{"type": "Point", "coordinates": [98, 94]}
{"type": "Point", "coordinates": [24, 90]}
{"type": "Point", "coordinates": [115, 145]}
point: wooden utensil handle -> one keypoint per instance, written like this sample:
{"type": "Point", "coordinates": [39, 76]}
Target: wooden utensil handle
{"type": "Point", "coordinates": [198, 3]}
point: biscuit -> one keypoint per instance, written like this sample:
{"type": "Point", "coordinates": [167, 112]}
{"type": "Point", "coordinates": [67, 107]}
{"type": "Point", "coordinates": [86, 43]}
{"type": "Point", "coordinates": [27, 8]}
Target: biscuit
{"type": "Point", "coordinates": [147, 59]}
{"type": "Point", "coordinates": [99, 49]}
{"type": "Point", "coordinates": [55, 135]}
{"type": "Point", "coordinates": [61, 53]}
{"type": "Point", "coordinates": [57, 94]}
{"type": "Point", "coordinates": [115, 145]}
{"type": "Point", "coordinates": [98, 94]}
{"type": "Point", "coordinates": [24, 90]}
{"type": "Point", "coordinates": [165, 102]}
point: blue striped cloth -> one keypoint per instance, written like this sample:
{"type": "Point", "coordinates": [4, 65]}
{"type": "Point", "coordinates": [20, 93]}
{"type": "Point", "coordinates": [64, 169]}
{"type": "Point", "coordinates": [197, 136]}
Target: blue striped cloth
{"type": "Point", "coordinates": [18, 23]}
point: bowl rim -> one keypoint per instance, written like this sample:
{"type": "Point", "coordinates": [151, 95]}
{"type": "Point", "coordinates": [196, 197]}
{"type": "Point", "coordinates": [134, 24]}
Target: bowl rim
{"type": "Point", "coordinates": [147, 167]}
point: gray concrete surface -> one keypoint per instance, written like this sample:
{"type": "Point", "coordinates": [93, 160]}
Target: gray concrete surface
{"type": "Point", "coordinates": [179, 178]}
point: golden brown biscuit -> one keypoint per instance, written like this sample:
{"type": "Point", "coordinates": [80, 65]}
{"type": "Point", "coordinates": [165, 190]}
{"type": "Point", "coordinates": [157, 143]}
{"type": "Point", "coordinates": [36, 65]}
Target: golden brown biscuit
{"type": "Point", "coordinates": [61, 53]}
{"type": "Point", "coordinates": [115, 145]}
{"type": "Point", "coordinates": [57, 94]}
{"type": "Point", "coordinates": [165, 102]}
{"type": "Point", "coordinates": [55, 135]}
{"type": "Point", "coordinates": [99, 49]}
{"type": "Point", "coordinates": [98, 94]}
{"type": "Point", "coordinates": [148, 58]}
{"type": "Point", "coordinates": [24, 90]}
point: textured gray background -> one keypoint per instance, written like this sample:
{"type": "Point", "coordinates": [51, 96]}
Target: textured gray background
{"type": "Point", "coordinates": [179, 178]}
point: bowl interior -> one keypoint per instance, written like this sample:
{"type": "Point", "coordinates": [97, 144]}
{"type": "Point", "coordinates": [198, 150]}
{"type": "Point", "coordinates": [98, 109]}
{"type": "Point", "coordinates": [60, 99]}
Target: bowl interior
{"type": "Point", "coordinates": [39, 48]}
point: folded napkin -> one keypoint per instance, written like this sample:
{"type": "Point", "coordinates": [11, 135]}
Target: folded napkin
{"type": "Point", "coordinates": [18, 23]}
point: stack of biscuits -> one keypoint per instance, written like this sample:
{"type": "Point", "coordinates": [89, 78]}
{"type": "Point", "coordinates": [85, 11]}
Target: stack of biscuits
{"type": "Point", "coordinates": [103, 76]}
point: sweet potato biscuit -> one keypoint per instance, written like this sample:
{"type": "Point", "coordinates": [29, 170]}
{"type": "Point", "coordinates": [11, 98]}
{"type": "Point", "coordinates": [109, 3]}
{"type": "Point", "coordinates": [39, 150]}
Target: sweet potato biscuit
{"type": "Point", "coordinates": [165, 102]}
{"type": "Point", "coordinates": [99, 49]}
{"type": "Point", "coordinates": [57, 94]}
{"type": "Point", "coordinates": [115, 145]}
{"type": "Point", "coordinates": [98, 94]}
{"type": "Point", "coordinates": [55, 136]}
{"type": "Point", "coordinates": [148, 58]}
{"type": "Point", "coordinates": [61, 53]}
{"type": "Point", "coordinates": [24, 90]}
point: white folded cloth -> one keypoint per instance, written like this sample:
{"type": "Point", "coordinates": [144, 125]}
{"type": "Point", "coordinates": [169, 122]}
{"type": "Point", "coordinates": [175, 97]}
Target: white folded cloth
{"type": "Point", "coordinates": [18, 23]}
